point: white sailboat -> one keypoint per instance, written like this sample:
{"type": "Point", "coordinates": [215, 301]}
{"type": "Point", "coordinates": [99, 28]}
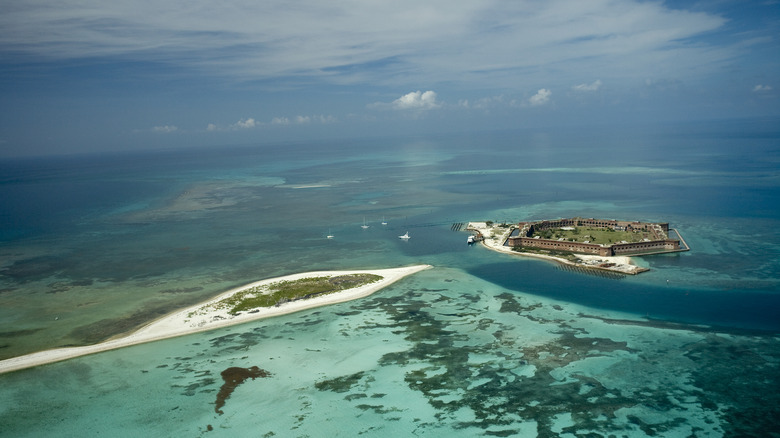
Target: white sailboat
{"type": "Point", "coordinates": [364, 226]}
{"type": "Point", "coordinates": [405, 236]}
{"type": "Point", "coordinates": [330, 236]}
{"type": "Point", "coordinates": [383, 221]}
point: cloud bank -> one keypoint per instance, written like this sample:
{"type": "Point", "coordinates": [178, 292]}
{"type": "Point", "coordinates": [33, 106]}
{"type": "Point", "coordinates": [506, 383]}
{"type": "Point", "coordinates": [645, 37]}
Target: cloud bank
{"type": "Point", "coordinates": [252, 123]}
{"type": "Point", "coordinates": [359, 42]}
{"type": "Point", "coordinates": [542, 97]}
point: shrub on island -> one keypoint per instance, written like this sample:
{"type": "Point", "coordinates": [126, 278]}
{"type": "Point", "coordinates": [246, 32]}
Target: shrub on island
{"type": "Point", "coordinates": [275, 294]}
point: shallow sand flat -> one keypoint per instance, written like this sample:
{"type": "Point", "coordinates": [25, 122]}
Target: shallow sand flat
{"type": "Point", "coordinates": [204, 317]}
{"type": "Point", "coordinates": [204, 196]}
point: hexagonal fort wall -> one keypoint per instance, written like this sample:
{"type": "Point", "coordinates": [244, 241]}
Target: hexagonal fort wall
{"type": "Point", "coordinates": [660, 243]}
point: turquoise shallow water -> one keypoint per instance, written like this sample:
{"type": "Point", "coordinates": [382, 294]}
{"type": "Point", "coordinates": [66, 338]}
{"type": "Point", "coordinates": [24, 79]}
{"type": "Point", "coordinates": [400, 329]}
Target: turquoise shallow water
{"type": "Point", "coordinates": [439, 354]}
{"type": "Point", "coordinates": [483, 344]}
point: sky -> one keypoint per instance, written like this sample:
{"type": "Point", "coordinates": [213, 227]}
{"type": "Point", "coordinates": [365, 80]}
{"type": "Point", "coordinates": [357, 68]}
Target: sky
{"type": "Point", "coordinates": [92, 75]}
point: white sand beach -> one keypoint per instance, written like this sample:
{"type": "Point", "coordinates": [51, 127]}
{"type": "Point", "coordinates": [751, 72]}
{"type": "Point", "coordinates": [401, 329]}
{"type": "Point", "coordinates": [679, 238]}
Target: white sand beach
{"type": "Point", "coordinates": [205, 316]}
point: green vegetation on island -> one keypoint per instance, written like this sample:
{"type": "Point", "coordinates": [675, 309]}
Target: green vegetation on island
{"type": "Point", "coordinates": [598, 236]}
{"type": "Point", "coordinates": [275, 294]}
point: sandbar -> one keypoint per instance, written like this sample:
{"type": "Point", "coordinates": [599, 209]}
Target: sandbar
{"type": "Point", "coordinates": [204, 316]}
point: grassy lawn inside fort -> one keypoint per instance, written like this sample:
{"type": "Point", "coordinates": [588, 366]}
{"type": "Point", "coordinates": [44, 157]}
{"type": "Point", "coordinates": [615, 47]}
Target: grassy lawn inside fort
{"type": "Point", "coordinates": [602, 236]}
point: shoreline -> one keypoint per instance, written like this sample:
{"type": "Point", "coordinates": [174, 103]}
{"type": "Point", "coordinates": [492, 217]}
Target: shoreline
{"type": "Point", "coordinates": [204, 317]}
{"type": "Point", "coordinates": [495, 242]}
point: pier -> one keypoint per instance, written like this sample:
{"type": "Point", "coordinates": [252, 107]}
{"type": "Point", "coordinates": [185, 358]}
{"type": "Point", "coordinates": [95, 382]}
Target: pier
{"type": "Point", "coordinates": [593, 270]}
{"type": "Point", "coordinates": [687, 248]}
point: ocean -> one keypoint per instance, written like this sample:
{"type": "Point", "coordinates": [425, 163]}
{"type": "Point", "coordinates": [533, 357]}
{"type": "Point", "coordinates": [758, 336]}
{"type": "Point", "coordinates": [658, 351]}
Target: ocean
{"type": "Point", "coordinates": [483, 344]}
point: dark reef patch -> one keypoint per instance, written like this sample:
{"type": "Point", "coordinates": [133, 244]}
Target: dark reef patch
{"type": "Point", "coordinates": [192, 388]}
{"type": "Point", "coordinates": [742, 377]}
{"type": "Point", "coordinates": [511, 304]}
{"type": "Point", "coordinates": [16, 333]}
{"type": "Point", "coordinates": [64, 286]}
{"type": "Point", "coordinates": [36, 268]}
{"type": "Point", "coordinates": [233, 377]}
{"type": "Point", "coordinates": [340, 384]}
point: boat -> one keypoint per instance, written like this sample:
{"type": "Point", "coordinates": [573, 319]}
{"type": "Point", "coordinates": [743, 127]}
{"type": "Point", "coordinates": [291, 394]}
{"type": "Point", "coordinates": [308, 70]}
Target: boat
{"type": "Point", "coordinates": [330, 236]}
{"type": "Point", "coordinates": [405, 236]}
{"type": "Point", "coordinates": [383, 221]}
{"type": "Point", "coordinates": [470, 240]}
{"type": "Point", "coordinates": [364, 226]}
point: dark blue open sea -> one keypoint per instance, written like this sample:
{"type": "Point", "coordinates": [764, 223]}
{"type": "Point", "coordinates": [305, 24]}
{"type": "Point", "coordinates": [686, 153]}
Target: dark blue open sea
{"type": "Point", "coordinates": [484, 344]}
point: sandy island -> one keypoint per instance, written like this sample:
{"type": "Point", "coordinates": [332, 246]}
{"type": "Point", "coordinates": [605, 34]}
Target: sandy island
{"type": "Point", "coordinates": [494, 238]}
{"type": "Point", "coordinates": [205, 316]}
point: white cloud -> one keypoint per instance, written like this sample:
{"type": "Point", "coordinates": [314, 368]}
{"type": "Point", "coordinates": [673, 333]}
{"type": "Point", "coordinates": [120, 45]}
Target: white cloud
{"type": "Point", "coordinates": [760, 88]}
{"type": "Point", "coordinates": [541, 97]}
{"type": "Point", "coordinates": [245, 124]}
{"type": "Point", "coordinates": [416, 100]}
{"type": "Point", "coordinates": [165, 128]}
{"type": "Point", "coordinates": [211, 127]}
{"type": "Point", "coordinates": [588, 87]}
{"type": "Point", "coordinates": [280, 121]}
{"type": "Point", "coordinates": [302, 119]}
